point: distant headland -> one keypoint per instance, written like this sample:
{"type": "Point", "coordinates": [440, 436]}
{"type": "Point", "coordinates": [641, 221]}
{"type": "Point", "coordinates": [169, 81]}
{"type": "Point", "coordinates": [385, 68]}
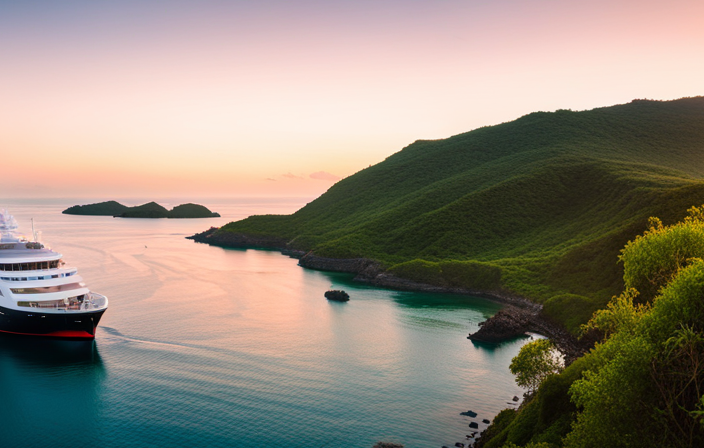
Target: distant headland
{"type": "Point", "coordinates": [148, 210]}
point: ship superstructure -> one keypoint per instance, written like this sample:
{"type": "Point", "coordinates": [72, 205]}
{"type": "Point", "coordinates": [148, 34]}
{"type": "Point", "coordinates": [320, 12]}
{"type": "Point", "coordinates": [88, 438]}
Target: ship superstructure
{"type": "Point", "coordinates": [39, 294]}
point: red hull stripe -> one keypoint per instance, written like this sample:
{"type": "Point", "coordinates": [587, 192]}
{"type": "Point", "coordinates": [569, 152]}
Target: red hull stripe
{"type": "Point", "coordinates": [58, 334]}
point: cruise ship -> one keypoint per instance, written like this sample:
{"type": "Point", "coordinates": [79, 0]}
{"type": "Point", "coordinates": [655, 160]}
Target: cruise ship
{"type": "Point", "coordinates": [39, 294]}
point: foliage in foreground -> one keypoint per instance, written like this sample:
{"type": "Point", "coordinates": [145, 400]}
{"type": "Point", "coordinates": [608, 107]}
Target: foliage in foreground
{"type": "Point", "coordinates": [650, 376]}
{"type": "Point", "coordinates": [643, 385]}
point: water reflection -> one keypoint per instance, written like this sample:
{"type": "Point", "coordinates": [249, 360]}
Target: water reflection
{"type": "Point", "coordinates": [418, 299]}
{"type": "Point", "coordinates": [494, 345]}
{"type": "Point", "coordinates": [52, 385]}
{"type": "Point", "coordinates": [445, 302]}
{"type": "Point", "coordinates": [39, 352]}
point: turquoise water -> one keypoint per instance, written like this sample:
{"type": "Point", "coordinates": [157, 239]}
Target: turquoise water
{"type": "Point", "coordinates": [204, 346]}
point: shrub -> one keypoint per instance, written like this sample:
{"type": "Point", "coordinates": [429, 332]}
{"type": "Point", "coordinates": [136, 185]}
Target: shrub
{"type": "Point", "coordinates": [652, 259]}
{"type": "Point", "coordinates": [534, 363]}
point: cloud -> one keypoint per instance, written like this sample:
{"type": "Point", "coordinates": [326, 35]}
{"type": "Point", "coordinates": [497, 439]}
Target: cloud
{"type": "Point", "coordinates": [269, 178]}
{"type": "Point", "coordinates": [289, 175]}
{"type": "Point", "coordinates": [322, 175]}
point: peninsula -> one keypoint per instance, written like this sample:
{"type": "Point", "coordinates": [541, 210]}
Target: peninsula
{"type": "Point", "coordinates": [588, 220]}
{"type": "Point", "coordinates": [536, 208]}
{"type": "Point", "coordinates": [148, 210]}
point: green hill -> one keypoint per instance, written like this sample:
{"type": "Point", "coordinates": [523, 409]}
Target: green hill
{"type": "Point", "coordinates": [539, 206]}
{"type": "Point", "coordinates": [109, 208]}
{"type": "Point", "coordinates": [192, 211]}
{"type": "Point", "coordinates": [148, 210]}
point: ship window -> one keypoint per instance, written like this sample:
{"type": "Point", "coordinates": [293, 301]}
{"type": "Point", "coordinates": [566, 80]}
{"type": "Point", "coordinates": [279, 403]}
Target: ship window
{"type": "Point", "coordinates": [46, 289]}
{"type": "Point", "coordinates": [34, 266]}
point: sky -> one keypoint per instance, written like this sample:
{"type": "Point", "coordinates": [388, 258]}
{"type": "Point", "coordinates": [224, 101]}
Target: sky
{"type": "Point", "coordinates": [216, 98]}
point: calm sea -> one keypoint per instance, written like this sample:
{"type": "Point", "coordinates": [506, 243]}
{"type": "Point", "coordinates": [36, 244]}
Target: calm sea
{"type": "Point", "coordinates": [207, 347]}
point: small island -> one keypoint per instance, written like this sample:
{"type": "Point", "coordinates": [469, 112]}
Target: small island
{"type": "Point", "coordinates": [148, 210]}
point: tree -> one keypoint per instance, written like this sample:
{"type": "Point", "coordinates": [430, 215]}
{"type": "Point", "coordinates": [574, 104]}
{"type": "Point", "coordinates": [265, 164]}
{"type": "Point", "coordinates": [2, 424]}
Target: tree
{"type": "Point", "coordinates": [534, 363]}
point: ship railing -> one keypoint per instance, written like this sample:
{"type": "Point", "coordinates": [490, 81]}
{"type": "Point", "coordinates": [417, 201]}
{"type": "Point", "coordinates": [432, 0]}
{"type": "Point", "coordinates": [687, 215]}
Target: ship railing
{"type": "Point", "coordinates": [87, 302]}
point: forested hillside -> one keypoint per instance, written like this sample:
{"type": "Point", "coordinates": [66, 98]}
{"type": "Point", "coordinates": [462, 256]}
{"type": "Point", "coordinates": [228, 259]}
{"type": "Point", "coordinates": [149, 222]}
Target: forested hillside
{"type": "Point", "coordinates": [539, 206]}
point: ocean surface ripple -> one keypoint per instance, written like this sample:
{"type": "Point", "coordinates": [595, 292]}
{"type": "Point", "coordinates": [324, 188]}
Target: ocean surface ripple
{"type": "Point", "coordinates": [203, 346]}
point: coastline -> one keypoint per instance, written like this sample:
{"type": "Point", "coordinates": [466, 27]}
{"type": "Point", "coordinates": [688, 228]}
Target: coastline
{"type": "Point", "coordinates": [518, 309]}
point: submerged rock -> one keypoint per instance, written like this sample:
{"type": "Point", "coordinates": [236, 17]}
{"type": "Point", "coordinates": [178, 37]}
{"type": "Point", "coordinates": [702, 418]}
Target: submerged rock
{"type": "Point", "coordinates": [337, 295]}
{"type": "Point", "coordinates": [387, 445]}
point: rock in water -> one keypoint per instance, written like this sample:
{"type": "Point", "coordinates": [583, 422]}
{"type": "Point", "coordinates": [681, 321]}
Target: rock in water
{"type": "Point", "coordinates": [387, 445]}
{"type": "Point", "coordinates": [469, 414]}
{"type": "Point", "coordinates": [337, 295]}
{"type": "Point", "coordinates": [474, 425]}
{"type": "Point", "coordinates": [508, 323]}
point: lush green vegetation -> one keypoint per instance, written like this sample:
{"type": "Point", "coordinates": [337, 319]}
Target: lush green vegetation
{"type": "Point", "coordinates": [643, 384]}
{"type": "Point", "coordinates": [148, 210]}
{"type": "Point", "coordinates": [538, 207]}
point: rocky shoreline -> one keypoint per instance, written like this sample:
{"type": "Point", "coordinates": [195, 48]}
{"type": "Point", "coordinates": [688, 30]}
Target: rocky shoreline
{"type": "Point", "coordinates": [511, 322]}
{"type": "Point", "coordinates": [519, 316]}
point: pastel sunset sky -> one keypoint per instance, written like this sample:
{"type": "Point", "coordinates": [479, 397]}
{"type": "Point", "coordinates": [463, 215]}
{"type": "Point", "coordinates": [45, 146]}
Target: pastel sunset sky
{"type": "Point", "coordinates": [282, 98]}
